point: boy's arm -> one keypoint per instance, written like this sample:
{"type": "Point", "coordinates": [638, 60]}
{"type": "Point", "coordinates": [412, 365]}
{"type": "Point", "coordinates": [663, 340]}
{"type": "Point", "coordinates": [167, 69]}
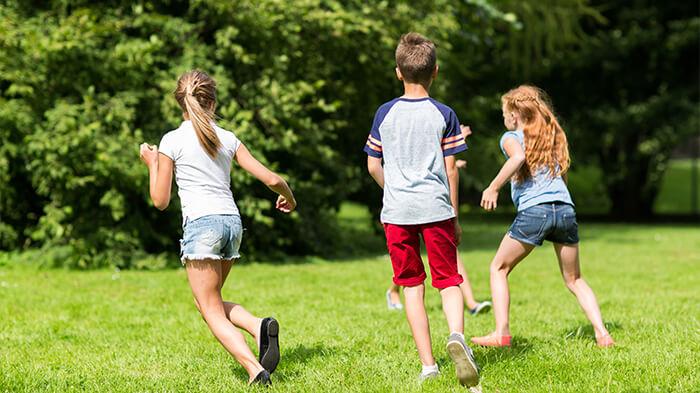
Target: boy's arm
{"type": "Point", "coordinates": [374, 166]}
{"type": "Point", "coordinates": [453, 180]}
{"type": "Point", "coordinates": [516, 158]}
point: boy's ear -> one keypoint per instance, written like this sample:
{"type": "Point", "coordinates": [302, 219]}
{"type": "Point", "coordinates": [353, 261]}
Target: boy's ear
{"type": "Point", "coordinates": [435, 71]}
{"type": "Point", "coordinates": [398, 74]}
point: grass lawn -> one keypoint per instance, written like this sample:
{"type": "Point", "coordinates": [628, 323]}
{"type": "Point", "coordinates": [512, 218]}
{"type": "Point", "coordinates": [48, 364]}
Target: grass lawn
{"type": "Point", "coordinates": [65, 331]}
{"type": "Point", "coordinates": [675, 192]}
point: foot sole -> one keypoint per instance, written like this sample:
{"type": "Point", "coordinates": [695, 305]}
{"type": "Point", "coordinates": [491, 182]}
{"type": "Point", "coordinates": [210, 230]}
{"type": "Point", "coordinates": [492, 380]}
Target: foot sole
{"type": "Point", "coordinates": [271, 358]}
{"type": "Point", "coordinates": [467, 372]}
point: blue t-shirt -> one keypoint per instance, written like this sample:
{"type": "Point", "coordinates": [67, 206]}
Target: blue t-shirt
{"type": "Point", "coordinates": [413, 137]}
{"type": "Point", "coordinates": [540, 188]}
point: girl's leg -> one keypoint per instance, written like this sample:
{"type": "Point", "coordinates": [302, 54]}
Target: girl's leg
{"type": "Point", "coordinates": [509, 253]}
{"type": "Point", "coordinates": [465, 286]}
{"type": "Point", "coordinates": [235, 313]}
{"type": "Point", "coordinates": [571, 272]}
{"type": "Point", "coordinates": [395, 294]}
{"type": "Point", "coordinates": [206, 278]}
{"type": "Point", "coordinates": [238, 315]}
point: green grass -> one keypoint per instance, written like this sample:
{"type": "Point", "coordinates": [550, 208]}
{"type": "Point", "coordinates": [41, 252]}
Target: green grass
{"type": "Point", "coordinates": [674, 195]}
{"type": "Point", "coordinates": [66, 331]}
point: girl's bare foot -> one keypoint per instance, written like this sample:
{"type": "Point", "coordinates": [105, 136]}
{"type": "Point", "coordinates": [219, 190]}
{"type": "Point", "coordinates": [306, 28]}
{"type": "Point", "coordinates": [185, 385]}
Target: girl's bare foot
{"type": "Point", "coordinates": [605, 341]}
{"type": "Point", "coordinates": [492, 340]}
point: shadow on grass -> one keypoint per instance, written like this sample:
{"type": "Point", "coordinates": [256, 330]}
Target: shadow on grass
{"type": "Point", "coordinates": [292, 361]}
{"type": "Point", "coordinates": [486, 356]}
{"type": "Point", "coordinates": [296, 360]}
{"type": "Point", "coordinates": [586, 330]}
{"type": "Point", "coordinates": [519, 348]}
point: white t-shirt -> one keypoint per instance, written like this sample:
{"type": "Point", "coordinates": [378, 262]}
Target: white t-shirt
{"type": "Point", "coordinates": [204, 184]}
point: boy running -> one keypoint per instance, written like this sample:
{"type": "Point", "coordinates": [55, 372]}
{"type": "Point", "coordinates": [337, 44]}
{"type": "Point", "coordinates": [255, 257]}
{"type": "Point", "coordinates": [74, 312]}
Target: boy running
{"type": "Point", "coordinates": [417, 138]}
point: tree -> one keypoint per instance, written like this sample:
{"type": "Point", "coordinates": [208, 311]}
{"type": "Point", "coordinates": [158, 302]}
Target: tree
{"type": "Point", "coordinates": [632, 93]}
{"type": "Point", "coordinates": [83, 82]}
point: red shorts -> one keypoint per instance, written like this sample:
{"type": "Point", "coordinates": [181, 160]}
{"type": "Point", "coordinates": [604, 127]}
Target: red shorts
{"type": "Point", "coordinates": [403, 242]}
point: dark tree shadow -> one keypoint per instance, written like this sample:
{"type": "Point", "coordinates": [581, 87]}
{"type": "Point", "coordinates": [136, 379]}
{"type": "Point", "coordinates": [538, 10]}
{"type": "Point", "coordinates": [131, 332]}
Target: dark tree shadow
{"type": "Point", "coordinates": [585, 331]}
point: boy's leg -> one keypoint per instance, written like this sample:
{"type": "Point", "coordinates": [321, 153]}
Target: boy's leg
{"type": "Point", "coordinates": [571, 272]}
{"type": "Point", "coordinates": [440, 243]}
{"type": "Point", "coordinates": [403, 243]}
{"type": "Point", "coordinates": [453, 307]}
{"type": "Point", "coordinates": [418, 321]}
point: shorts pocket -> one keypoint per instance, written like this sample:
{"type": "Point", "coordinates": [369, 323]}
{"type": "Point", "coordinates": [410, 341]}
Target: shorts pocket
{"type": "Point", "coordinates": [569, 227]}
{"type": "Point", "coordinates": [209, 237]}
{"type": "Point", "coordinates": [530, 224]}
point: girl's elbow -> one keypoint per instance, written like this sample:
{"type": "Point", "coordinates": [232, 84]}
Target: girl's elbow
{"type": "Point", "coordinates": [519, 158]}
{"type": "Point", "coordinates": [274, 181]}
{"type": "Point", "coordinates": [160, 203]}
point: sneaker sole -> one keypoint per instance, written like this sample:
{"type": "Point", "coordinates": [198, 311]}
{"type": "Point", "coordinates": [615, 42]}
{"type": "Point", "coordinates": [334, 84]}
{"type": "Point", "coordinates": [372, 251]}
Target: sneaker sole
{"type": "Point", "coordinates": [466, 370]}
{"type": "Point", "coordinates": [271, 358]}
{"type": "Point", "coordinates": [486, 308]}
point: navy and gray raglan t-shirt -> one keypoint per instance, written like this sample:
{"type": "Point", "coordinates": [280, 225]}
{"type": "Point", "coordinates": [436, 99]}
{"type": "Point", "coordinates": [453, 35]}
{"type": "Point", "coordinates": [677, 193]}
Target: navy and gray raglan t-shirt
{"type": "Point", "coordinates": [413, 136]}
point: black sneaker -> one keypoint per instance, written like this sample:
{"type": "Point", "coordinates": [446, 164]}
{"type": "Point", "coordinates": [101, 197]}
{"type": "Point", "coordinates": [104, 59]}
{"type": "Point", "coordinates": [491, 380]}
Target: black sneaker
{"type": "Point", "coordinates": [269, 344]}
{"type": "Point", "coordinates": [263, 379]}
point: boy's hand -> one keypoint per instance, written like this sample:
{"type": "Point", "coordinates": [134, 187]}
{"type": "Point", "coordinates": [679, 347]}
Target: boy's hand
{"type": "Point", "coordinates": [149, 154]}
{"type": "Point", "coordinates": [284, 205]}
{"type": "Point", "coordinates": [489, 199]}
{"type": "Point", "coordinates": [466, 131]}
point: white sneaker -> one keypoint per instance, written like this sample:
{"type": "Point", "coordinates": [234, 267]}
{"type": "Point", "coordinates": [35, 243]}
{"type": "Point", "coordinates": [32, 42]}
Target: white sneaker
{"type": "Point", "coordinates": [480, 307]}
{"type": "Point", "coordinates": [465, 366]}
{"type": "Point", "coordinates": [389, 304]}
{"type": "Point", "coordinates": [429, 375]}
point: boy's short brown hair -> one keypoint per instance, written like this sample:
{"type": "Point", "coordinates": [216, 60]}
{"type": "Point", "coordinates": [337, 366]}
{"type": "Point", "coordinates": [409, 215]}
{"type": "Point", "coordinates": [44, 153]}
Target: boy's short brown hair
{"type": "Point", "coordinates": [416, 58]}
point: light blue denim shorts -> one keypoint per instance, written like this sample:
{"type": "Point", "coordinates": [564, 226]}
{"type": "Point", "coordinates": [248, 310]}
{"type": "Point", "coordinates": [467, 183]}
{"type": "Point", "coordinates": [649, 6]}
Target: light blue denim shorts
{"type": "Point", "coordinates": [217, 236]}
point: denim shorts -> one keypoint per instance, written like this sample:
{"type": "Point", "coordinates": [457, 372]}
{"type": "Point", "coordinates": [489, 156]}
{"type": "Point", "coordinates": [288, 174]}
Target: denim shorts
{"type": "Point", "coordinates": [553, 221]}
{"type": "Point", "coordinates": [217, 236]}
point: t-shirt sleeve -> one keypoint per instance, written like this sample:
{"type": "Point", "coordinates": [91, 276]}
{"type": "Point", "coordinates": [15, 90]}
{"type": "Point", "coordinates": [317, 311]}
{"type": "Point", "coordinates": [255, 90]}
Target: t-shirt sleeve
{"type": "Point", "coordinates": [506, 135]}
{"type": "Point", "coordinates": [168, 147]}
{"type": "Point", "coordinates": [373, 146]}
{"type": "Point", "coordinates": [233, 144]}
{"type": "Point", "coordinates": [452, 141]}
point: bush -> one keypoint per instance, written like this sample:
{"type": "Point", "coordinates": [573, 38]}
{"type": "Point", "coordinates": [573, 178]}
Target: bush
{"type": "Point", "coordinates": [83, 83]}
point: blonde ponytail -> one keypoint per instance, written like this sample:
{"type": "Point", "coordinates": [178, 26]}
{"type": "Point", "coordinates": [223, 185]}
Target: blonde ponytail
{"type": "Point", "coordinates": [196, 95]}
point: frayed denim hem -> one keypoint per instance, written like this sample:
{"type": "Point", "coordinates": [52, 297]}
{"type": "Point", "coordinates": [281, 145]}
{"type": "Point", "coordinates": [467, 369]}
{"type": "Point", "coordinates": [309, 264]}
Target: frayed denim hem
{"type": "Point", "coordinates": [199, 257]}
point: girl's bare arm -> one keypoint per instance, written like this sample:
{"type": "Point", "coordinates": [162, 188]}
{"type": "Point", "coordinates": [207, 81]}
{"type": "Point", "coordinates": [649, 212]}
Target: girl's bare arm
{"type": "Point", "coordinates": [516, 158]}
{"type": "Point", "coordinates": [160, 173]}
{"type": "Point", "coordinates": [273, 181]}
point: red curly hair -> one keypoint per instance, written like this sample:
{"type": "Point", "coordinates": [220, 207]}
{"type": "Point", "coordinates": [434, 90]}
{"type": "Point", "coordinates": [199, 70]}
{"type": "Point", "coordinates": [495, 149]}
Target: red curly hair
{"type": "Point", "coordinates": [545, 142]}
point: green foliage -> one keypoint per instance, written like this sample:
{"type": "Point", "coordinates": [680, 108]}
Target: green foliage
{"type": "Point", "coordinates": [632, 96]}
{"type": "Point", "coordinates": [83, 83]}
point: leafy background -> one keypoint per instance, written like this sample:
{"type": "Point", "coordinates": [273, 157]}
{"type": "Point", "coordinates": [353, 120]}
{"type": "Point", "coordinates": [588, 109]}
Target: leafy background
{"type": "Point", "coordinates": [82, 83]}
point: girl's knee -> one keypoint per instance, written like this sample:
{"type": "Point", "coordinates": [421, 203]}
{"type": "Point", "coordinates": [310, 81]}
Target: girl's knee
{"type": "Point", "coordinates": [499, 267]}
{"type": "Point", "coordinates": [571, 281]}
